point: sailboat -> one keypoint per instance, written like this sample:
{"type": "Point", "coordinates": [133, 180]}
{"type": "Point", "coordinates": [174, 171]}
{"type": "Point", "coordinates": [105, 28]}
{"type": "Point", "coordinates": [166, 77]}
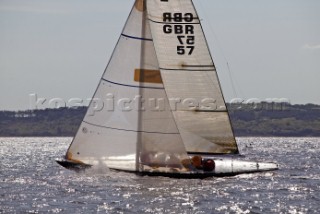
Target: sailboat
{"type": "Point", "coordinates": [159, 108]}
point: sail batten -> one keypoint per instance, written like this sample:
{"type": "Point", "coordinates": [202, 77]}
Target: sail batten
{"type": "Point", "coordinates": [132, 86]}
{"type": "Point", "coordinates": [100, 126]}
{"type": "Point", "coordinates": [138, 38]}
{"type": "Point", "coordinates": [197, 66]}
{"type": "Point", "coordinates": [185, 69]}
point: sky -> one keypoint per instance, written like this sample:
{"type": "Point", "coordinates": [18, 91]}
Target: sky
{"type": "Point", "coordinates": [60, 48]}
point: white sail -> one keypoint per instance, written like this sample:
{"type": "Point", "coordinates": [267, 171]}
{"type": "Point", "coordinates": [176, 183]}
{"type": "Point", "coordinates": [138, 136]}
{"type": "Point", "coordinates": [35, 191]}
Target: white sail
{"type": "Point", "coordinates": [121, 129]}
{"type": "Point", "coordinates": [159, 108]}
{"type": "Point", "coordinates": [190, 78]}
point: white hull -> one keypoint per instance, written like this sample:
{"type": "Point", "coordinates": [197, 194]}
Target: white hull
{"type": "Point", "coordinates": [236, 166]}
{"type": "Point", "coordinates": [224, 166]}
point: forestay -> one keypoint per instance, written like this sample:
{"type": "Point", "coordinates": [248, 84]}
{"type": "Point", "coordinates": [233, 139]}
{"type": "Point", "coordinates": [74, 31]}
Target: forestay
{"type": "Point", "coordinates": [190, 78]}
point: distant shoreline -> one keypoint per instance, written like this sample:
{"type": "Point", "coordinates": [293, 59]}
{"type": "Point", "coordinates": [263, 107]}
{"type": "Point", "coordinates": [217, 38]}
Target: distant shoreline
{"type": "Point", "coordinates": [259, 120]}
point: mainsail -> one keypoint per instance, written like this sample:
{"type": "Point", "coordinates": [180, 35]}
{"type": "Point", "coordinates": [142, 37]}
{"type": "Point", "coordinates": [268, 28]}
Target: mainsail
{"type": "Point", "coordinates": [159, 99]}
{"type": "Point", "coordinates": [189, 74]}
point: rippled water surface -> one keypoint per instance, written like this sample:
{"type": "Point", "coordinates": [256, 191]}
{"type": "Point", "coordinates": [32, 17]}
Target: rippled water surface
{"type": "Point", "coordinates": [31, 182]}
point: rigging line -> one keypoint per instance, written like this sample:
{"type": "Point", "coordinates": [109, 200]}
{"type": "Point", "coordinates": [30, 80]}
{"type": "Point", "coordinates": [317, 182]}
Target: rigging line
{"type": "Point", "coordinates": [233, 83]}
{"type": "Point", "coordinates": [231, 79]}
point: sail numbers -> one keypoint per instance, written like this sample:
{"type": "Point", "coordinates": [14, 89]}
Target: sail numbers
{"type": "Point", "coordinates": [185, 32]}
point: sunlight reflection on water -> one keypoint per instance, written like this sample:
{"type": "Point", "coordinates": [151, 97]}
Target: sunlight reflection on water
{"type": "Point", "coordinates": [32, 182]}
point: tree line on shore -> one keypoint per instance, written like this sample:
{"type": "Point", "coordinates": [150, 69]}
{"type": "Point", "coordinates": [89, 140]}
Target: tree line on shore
{"type": "Point", "coordinates": [259, 119]}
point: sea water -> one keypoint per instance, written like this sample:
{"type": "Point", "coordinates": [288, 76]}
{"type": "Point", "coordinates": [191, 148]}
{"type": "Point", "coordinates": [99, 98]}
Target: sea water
{"type": "Point", "coordinates": [32, 182]}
